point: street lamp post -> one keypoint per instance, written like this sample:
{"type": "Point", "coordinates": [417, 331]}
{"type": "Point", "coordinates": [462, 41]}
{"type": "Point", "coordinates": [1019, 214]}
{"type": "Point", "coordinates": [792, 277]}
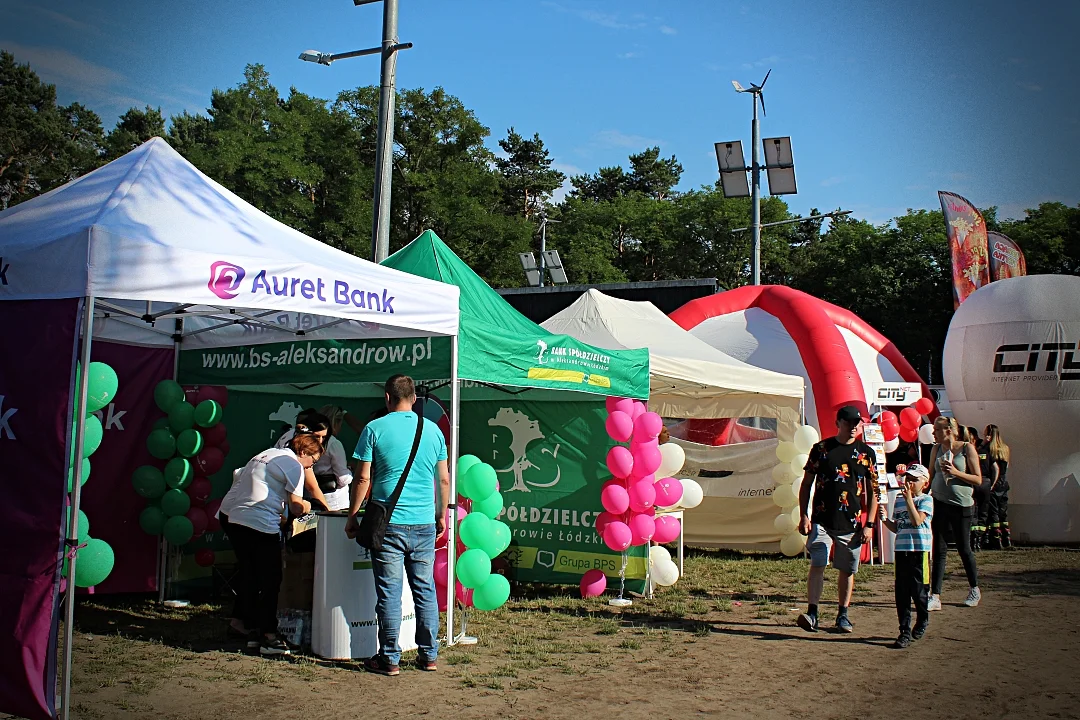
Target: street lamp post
{"type": "Point", "coordinates": [384, 150]}
{"type": "Point", "coordinates": [543, 246]}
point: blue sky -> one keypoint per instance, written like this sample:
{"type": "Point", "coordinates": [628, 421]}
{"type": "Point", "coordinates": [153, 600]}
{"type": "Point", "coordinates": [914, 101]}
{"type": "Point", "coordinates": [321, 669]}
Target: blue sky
{"type": "Point", "coordinates": [886, 103]}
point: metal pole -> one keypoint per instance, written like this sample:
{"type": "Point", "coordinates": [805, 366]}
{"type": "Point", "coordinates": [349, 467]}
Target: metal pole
{"type": "Point", "coordinates": [451, 538]}
{"type": "Point", "coordinates": [72, 535]}
{"type": "Point", "coordinates": [543, 248]}
{"type": "Point", "coordinates": [755, 193]}
{"type": "Point", "coordinates": [380, 232]}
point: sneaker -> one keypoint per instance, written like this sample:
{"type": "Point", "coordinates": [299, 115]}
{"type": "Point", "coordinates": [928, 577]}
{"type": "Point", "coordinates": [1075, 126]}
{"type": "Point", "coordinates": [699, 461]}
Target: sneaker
{"type": "Point", "coordinates": [973, 598]}
{"type": "Point", "coordinates": [379, 664]}
{"type": "Point", "coordinates": [902, 641]}
{"type": "Point", "coordinates": [808, 622]}
{"type": "Point", "coordinates": [918, 631]}
{"type": "Point", "coordinates": [271, 648]}
{"type": "Point", "coordinates": [253, 640]}
{"type": "Point", "coordinates": [427, 665]}
{"type": "Point", "coordinates": [844, 625]}
{"type": "Point", "coordinates": [934, 603]}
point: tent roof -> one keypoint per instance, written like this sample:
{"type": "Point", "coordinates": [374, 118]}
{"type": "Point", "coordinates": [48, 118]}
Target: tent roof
{"type": "Point", "coordinates": [499, 345]}
{"type": "Point", "coordinates": [150, 226]}
{"type": "Point", "coordinates": [691, 378]}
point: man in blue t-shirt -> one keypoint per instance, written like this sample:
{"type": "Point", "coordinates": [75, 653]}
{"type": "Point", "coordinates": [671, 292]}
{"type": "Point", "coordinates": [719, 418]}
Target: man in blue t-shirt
{"type": "Point", "coordinates": [417, 521]}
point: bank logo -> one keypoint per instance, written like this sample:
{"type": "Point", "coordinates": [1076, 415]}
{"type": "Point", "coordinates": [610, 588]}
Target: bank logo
{"type": "Point", "coordinates": [542, 349]}
{"type": "Point", "coordinates": [1058, 356]}
{"type": "Point", "coordinates": [225, 279]}
{"type": "Point", "coordinates": [523, 432]}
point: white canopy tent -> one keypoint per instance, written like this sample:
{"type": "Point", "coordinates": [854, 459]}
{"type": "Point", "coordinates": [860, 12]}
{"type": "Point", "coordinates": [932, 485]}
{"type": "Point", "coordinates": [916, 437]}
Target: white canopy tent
{"type": "Point", "coordinates": [163, 255]}
{"type": "Point", "coordinates": [689, 379]}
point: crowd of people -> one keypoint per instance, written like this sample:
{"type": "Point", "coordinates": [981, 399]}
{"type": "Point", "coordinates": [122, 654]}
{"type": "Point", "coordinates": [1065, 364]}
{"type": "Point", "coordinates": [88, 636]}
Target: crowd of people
{"type": "Point", "coordinates": [960, 493]}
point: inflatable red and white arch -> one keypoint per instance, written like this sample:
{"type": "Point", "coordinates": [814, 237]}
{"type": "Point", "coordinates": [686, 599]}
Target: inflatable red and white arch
{"type": "Point", "coordinates": [786, 330]}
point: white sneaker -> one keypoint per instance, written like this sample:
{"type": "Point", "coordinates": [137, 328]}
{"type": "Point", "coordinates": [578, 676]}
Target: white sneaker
{"type": "Point", "coordinates": [973, 597]}
{"type": "Point", "coordinates": [934, 603]}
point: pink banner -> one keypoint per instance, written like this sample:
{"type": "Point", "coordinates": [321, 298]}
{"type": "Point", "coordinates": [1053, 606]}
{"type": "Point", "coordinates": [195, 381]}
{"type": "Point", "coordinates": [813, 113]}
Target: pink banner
{"type": "Point", "coordinates": [966, 230]}
{"type": "Point", "coordinates": [1006, 258]}
{"type": "Point", "coordinates": [35, 388]}
{"type": "Point", "coordinates": [108, 499]}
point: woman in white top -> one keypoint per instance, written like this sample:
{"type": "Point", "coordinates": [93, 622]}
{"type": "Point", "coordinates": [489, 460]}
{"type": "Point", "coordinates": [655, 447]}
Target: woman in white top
{"type": "Point", "coordinates": [251, 515]}
{"type": "Point", "coordinates": [332, 470]}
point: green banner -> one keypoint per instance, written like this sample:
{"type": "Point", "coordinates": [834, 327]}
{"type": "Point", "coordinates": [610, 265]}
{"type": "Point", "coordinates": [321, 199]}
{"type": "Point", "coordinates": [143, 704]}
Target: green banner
{"type": "Point", "coordinates": [314, 361]}
{"type": "Point", "coordinates": [550, 461]}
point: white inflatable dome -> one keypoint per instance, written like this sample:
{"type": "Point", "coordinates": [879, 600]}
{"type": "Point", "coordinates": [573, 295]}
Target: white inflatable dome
{"type": "Point", "coordinates": [1012, 358]}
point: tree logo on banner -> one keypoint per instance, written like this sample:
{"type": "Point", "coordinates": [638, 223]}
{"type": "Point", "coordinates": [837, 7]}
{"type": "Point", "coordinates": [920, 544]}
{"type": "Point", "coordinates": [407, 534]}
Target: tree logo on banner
{"type": "Point", "coordinates": [523, 432]}
{"type": "Point", "coordinates": [286, 414]}
{"type": "Point", "coordinates": [543, 349]}
{"type": "Point", "coordinates": [5, 420]}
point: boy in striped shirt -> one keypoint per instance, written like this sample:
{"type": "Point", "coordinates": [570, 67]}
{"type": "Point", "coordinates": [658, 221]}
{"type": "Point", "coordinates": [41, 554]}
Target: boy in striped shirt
{"type": "Point", "coordinates": [911, 516]}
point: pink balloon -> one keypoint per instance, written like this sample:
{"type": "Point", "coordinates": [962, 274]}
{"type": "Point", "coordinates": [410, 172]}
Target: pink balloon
{"type": "Point", "coordinates": [614, 497]}
{"type": "Point", "coordinates": [209, 461]}
{"type": "Point", "coordinates": [641, 495]}
{"type": "Point", "coordinates": [624, 405]}
{"type": "Point", "coordinates": [668, 492]}
{"type": "Point", "coordinates": [199, 521]}
{"type": "Point", "coordinates": [204, 557]}
{"type": "Point", "coordinates": [602, 520]}
{"type": "Point", "coordinates": [619, 426]}
{"type": "Point", "coordinates": [440, 596]}
{"type": "Point", "coordinates": [620, 461]}
{"type": "Point", "coordinates": [617, 536]}
{"type": "Point", "coordinates": [609, 403]}
{"type": "Point", "coordinates": [593, 583]}
{"type": "Point", "coordinates": [639, 409]}
{"type": "Point", "coordinates": [442, 567]}
{"type": "Point", "coordinates": [646, 458]}
{"type": "Point", "coordinates": [224, 446]}
{"type": "Point", "coordinates": [642, 528]}
{"type": "Point", "coordinates": [647, 426]}
{"type": "Point", "coordinates": [212, 522]}
{"type": "Point", "coordinates": [667, 529]}
{"type": "Point", "coordinates": [199, 492]}
{"type": "Point", "coordinates": [464, 594]}
{"type": "Point", "coordinates": [214, 436]}
{"type": "Point", "coordinates": [213, 392]}
{"type": "Point", "coordinates": [441, 541]}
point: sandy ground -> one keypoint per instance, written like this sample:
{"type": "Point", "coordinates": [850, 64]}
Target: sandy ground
{"type": "Point", "coordinates": [709, 651]}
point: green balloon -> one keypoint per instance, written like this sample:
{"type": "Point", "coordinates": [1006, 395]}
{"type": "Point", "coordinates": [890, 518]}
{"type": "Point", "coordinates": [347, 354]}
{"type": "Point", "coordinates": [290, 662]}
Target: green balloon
{"type": "Point", "coordinates": [208, 413]}
{"type": "Point", "coordinates": [92, 435]}
{"type": "Point", "coordinates": [175, 503]}
{"type": "Point", "coordinates": [84, 527]}
{"type": "Point", "coordinates": [167, 393]}
{"type": "Point", "coordinates": [162, 423]}
{"type": "Point", "coordinates": [179, 474]}
{"type": "Point", "coordinates": [161, 444]}
{"type": "Point", "coordinates": [181, 417]}
{"type": "Point", "coordinates": [474, 529]}
{"type": "Point", "coordinates": [148, 482]}
{"type": "Point", "coordinates": [83, 479]}
{"type": "Point", "coordinates": [491, 506]}
{"type": "Point", "coordinates": [464, 463]}
{"type": "Point", "coordinates": [473, 568]}
{"type": "Point", "coordinates": [189, 443]}
{"type": "Point", "coordinates": [152, 520]}
{"type": "Point", "coordinates": [492, 594]}
{"type": "Point", "coordinates": [101, 386]}
{"type": "Point", "coordinates": [93, 563]}
{"type": "Point", "coordinates": [498, 538]}
{"type": "Point", "coordinates": [479, 482]}
{"type": "Point", "coordinates": [178, 530]}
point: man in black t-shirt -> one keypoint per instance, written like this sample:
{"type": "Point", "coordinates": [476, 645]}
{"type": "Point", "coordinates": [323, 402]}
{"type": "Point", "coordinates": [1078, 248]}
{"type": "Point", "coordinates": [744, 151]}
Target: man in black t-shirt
{"type": "Point", "coordinates": [840, 470]}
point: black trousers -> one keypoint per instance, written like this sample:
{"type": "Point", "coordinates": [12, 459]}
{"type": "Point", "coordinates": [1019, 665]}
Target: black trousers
{"type": "Point", "coordinates": [912, 585]}
{"type": "Point", "coordinates": [958, 520]}
{"type": "Point", "coordinates": [258, 564]}
{"type": "Point", "coordinates": [982, 504]}
{"type": "Point", "coordinates": [998, 516]}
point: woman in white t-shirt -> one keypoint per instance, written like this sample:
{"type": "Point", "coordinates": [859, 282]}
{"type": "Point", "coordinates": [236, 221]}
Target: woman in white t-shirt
{"type": "Point", "coordinates": [251, 515]}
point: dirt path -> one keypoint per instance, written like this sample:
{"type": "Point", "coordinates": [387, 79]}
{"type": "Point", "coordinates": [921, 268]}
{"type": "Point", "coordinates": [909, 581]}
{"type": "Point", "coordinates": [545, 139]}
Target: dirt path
{"type": "Point", "coordinates": [725, 644]}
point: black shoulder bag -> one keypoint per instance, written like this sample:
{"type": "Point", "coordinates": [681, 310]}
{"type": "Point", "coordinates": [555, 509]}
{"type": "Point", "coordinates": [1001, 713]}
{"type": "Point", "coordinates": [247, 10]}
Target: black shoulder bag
{"type": "Point", "coordinates": [377, 514]}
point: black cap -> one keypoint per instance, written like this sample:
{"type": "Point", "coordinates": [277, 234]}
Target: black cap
{"type": "Point", "coordinates": [849, 413]}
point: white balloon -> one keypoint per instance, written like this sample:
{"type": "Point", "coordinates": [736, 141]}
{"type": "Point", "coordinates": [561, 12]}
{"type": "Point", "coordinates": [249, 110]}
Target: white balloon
{"type": "Point", "coordinates": [891, 445]}
{"type": "Point", "coordinates": [784, 497]}
{"type": "Point", "coordinates": [798, 463]}
{"type": "Point", "coordinates": [692, 494]}
{"type": "Point", "coordinates": [796, 487]}
{"type": "Point", "coordinates": [805, 438]}
{"type": "Point", "coordinates": [784, 523]}
{"type": "Point", "coordinates": [792, 544]}
{"type": "Point", "coordinates": [658, 555]}
{"type": "Point", "coordinates": [795, 515]}
{"type": "Point", "coordinates": [672, 459]}
{"type": "Point", "coordinates": [786, 451]}
{"type": "Point", "coordinates": [926, 434]}
{"type": "Point", "coordinates": [781, 474]}
{"type": "Point", "coordinates": [665, 573]}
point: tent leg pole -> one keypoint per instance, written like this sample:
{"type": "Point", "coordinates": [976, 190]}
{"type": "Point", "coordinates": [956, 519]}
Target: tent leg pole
{"type": "Point", "coordinates": [73, 515]}
{"type": "Point", "coordinates": [451, 539]}
{"type": "Point", "coordinates": [163, 545]}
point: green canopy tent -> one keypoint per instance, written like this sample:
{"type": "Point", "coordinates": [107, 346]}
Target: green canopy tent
{"type": "Point", "coordinates": [532, 407]}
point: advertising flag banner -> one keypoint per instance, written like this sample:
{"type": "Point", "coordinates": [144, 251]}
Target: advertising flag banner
{"type": "Point", "coordinates": [1006, 258]}
{"type": "Point", "coordinates": [966, 230]}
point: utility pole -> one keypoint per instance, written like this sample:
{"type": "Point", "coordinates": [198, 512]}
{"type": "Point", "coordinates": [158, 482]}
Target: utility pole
{"type": "Point", "coordinates": [384, 168]}
{"type": "Point", "coordinates": [543, 247]}
{"type": "Point", "coordinates": [755, 197]}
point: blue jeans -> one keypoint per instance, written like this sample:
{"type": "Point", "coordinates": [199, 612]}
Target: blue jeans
{"type": "Point", "coordinates": [411, 547]}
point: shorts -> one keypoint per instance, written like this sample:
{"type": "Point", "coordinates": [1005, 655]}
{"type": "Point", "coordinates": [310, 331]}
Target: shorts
{"type": "Point", "coordinates": [846, 553]}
